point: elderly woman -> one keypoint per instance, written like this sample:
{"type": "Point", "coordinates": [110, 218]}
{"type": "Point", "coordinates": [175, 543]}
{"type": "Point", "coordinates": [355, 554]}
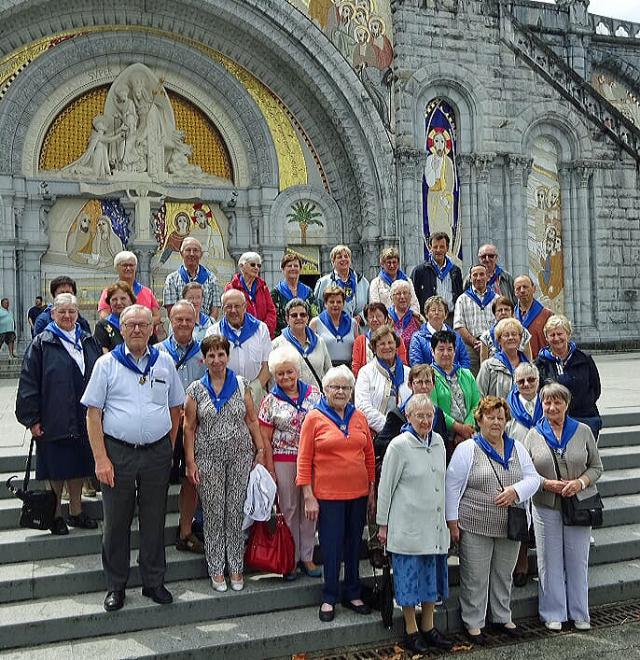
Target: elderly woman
{"type": "Point", "coordinates": [421, 381]}
{"type": "Point", "coordinates": [291, 287]}
{"type": "Point", "coordinates": [564, 452]}
{"type": "Point", "coordinates": [194, 293]}
{"type": "Point", "coordinates": [502, 308]}
{"type": "Point", "coordinates": [354, 285]}
{"type": "Point", "coordinates": [316, 360]}
{"type": "Point", "coordinates": [406, 322]}
{"type": "Point", "coordinates": [336, 469]}
{"type": "Point", "coordinates": [255, 290]}
{"type": "Point", "coordinates": [376, 315]}
{"type": "Point", "coordinates": [412, 525]}
{"type": "Point", "coordinates": [382, 383]}
{"type": "Point", "coordinates": [336, 327]}
{"type": "Point", "coordinates": [495, 377]}
{"type": "Point", "coordinates": [126, 265]}
{"type": "Point", "coordinates": [564, 363]}
{"type": "Point", "coordinates": [221, 437]}
{"type": "Point", "coordinates": [435, 311]}
{"type": "Point", "coordinates": [281, 415]}
{"type": "Point", "coordinates": [380, 287]}
{"type": "Point", "coordinates": [55, 371]}
{"type": "Point", "coordinates": [107, 330]}
{"type": "Point", "coordinates": [487, 474]}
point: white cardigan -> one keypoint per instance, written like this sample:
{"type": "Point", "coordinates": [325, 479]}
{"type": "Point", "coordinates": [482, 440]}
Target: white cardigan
{"type": "Point", "coordinates": [372, 389]}
{"type": "Point", "coordinates": [460, 468]}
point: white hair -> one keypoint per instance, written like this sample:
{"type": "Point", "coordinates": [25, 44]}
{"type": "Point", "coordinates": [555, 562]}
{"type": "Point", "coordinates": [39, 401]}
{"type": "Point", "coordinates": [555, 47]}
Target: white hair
{"type": "Point", "coordinates": [338, 373]}
{"type": "Point", "coordinates": [125, 255]}
{"type": "Point", "coordinates": [419, 401]}
{"type": "Point", "coordinates": [127, 311]}
{"type": "Point", "coordinates": [65, 299]}
{"type": "Point", "coordinates": [526, 369]}
{"type": "Point", "coordinates": [249, 256]}
{"type": "Point", "coordinates": [399, 284]}
{"type": "Point", "coordinates": [190, 239]}
{"type": "Point", "coordinates": [285, 354]}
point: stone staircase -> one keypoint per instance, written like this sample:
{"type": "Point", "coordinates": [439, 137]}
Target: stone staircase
{"type": "Point", "coordinates": [51, 588]}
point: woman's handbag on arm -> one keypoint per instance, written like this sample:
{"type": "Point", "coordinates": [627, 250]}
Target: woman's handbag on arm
{"type": "Point", "coordinates": [517, 523]}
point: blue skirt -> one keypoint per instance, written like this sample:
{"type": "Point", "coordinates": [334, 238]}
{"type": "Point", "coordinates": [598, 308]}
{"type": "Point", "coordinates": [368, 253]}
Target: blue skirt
{"type": "Point", "coordinates": [68, 458]}
{"type": "Point", "coordinates": [420, 578]}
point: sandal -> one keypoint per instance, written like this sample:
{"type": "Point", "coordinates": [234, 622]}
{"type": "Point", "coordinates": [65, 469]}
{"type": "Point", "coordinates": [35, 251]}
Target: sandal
{"type": "Point", "coordinates": [190, 544]}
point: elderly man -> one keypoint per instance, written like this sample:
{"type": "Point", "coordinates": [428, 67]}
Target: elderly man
{"type": "Point", "coordinates": [249, 339]}
{"type": "Point", "coordinates": [438, 275]}
{"type": "Point", "coordinates": [531, 313]}
{"type": "Point", "coordinates": [189, 363]}
{"type": "Point", "coordinates": [192, 271]}
{"type": "Point", "coordinates": [380, 287]}
{"type": "Point", "coordinates": [60, 284]}
{"type": "Point", "coordinates": [134, 400]}
{"type": "Point", "coordinates": [498, 279]}
{"type": "Point", "coordinates": [473, 314]}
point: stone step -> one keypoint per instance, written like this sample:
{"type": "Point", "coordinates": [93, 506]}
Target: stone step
{"type": "Point", "coordinates": [620, 436]}
{"type": "Point", "coordinates": [619, 482]}
{"type": "Point", "coordinates": [227, 630]}
{"type": "Point", "coordinates": [621, 510]}
{"type": "Point", "coordinates": [620, 458]}
{"type": "Point", "coordinates": [621, 417]}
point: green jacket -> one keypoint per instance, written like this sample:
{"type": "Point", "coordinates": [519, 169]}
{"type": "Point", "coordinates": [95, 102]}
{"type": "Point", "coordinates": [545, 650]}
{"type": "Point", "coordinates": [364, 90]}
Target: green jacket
{"type": "Point", "coordinates": [441, 396]}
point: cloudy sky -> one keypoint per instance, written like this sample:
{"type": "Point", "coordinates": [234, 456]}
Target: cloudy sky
{"type": "Point", "coordinates": [629, 9]}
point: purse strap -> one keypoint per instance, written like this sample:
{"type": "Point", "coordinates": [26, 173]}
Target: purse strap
{"type": "Point", "coordinates": [313, 371]}
{"type": "Point", "coordinates": [493, 467]}
{"type": "Point", "coordinates": [27, 473]}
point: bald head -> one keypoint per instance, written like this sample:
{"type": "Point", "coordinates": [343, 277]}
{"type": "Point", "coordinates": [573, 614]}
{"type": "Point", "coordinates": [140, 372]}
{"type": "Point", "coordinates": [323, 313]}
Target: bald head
{"type": "Point", "coordinates": [524, 289]}
{"type": "Point", "coordinates": [183, 321]}
{"type": "Point", "coordinates": [234, 307]}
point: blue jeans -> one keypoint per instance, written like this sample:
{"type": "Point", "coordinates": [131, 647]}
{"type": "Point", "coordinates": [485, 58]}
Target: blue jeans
{"type": "Point", "coordinates": [340, 526]}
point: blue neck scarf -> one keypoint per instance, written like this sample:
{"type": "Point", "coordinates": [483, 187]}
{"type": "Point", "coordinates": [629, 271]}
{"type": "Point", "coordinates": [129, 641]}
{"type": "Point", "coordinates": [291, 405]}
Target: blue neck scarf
{"type": "Point", "coordinates": [386, 278]}
{"type": "Point", "coordinates": [250, 292]}
{"type": "Point", "coordinates": [302, 290]}
{"type": "Point", "coordinates": [568, 431]}
{"type": "Point", "coordinates": [137, 287]}
{"type": "Point", "coordinates": [532, 313]}
{"type": "Point", "coordinates": [492, 334]}
{"type": "Point", "coordinates": [349, 286]}
{"type": "Point", "coordinates": [409, 428]}
{"type": "Point", "coordinates": [404, 321]}
{"type": "Point", "coordinates": [227, 391]}
{"type": "Point", "coordinates": [312, 338]}
{"type": "Point", "coordinates": [443, 373]}
{"type": "Point", "coordinates": [192, 348]}
{"type": "Point", "coordinates": [249, 328]}
{"type": "Point", "coordinates": [519, 412]}
{"type": "Point", "coordinates": [548, 355]}
{"type": "Point", "coordinates": [490, 451]}
{"type": "Point", "coordinates": [202, 319]}
{"type": "Point", "coordinates": [396, 376]}
{"type": "Point", "coordinates": [113, 321]}
{"type": "Point", "coordinates": [303, 392]}
{"type": "Point", "coordinates": [342, 423]}
{"type": "Point", "coordinates": [343, 329]}
{"type": "Point", "coordinates": [489, 295]}
{"type": "Point", "coordinates": [494, 278]}
{"type": "Point", "coordinates": [200, 278]}
{"type": "Point", "coordinates": [503, 358]}
{"type": "Point", "coordinates": [441, 273]}
{"type": "Point", "coordinates": [127, 361]}
{"type": "Point", "coordinates": [59, 333]}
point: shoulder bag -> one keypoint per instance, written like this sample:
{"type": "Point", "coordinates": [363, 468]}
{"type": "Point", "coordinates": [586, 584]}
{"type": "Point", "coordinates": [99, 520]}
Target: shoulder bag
{"type": "Point", "coordinates": [271, 547]}
{"type": "Point", "coordinates": [517, 523]}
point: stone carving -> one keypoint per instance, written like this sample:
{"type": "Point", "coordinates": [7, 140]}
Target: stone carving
{"type": "Point", "coordinates": [135, 138]}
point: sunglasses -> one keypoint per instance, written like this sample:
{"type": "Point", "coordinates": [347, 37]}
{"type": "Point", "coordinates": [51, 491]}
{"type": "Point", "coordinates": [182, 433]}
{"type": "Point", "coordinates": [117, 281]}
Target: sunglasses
{"type": "Point", "coordinates": [527, 379]}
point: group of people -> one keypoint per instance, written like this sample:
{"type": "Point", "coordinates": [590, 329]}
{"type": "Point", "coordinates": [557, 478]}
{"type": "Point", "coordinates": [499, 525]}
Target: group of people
{"type": "Point", "coordinates": [348, 394]}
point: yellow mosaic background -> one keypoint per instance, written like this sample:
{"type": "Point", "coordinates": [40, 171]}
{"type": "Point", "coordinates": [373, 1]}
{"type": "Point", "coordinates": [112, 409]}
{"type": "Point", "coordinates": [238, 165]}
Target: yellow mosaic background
{"type": "Point", "coordinates": [68, 135]}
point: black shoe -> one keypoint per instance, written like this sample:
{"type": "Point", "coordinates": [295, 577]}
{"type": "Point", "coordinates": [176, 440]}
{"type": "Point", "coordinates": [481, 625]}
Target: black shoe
{"type": "Point", "coordinates": [160, 595]}
{"type": "Point", "coordinates": [59, 527]}
{"type": "Point", "coordinates": [358, 609]}
{"type": "Point", "coordinates": [82, 520]}
{"type": "Point", "coordinates": [436, 639]}
{"type": "Point", "coordinates": [514, 633]}
{"type": "Point", "coordinates": [520, 579]}
{"type": "Point", "coordinates": [480, 639]}
{"type": "Point", "coordinates": [325, 617]}
{"type": "Point", "coordinates": [114, 600]}
{"type": "Point", "coordinates": [415, 644]}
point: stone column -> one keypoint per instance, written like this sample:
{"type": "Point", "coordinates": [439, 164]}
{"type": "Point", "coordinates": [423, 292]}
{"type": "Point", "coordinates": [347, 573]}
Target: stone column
{"type": "Point", "coordinates": [569, 276]}
{"type": "Point", "coordinates": [465, 225]}
{"type": "Point", "coordinates": [518, 168]}
{"type": "Point", "coordinates": [409, 167]}
{"type": "Point", "coordinates": [582, 240]}
{"type": "Point", "coordinates": [142, 243]}
{"type": "Point", "coordinates": [483, 163]}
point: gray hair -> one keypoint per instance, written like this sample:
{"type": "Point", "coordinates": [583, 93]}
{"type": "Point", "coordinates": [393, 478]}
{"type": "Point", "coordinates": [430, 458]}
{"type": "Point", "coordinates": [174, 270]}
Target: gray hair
{"type": "Point", "coordinates": [183, 303]}
{"type": "Point", "coordinates": [190, 239]}
{"type": "Point", "coordinates": [249, 256]}
{"type": "Point", "coordinates": [399, 284]}
{"type": "Point", "coordinates": [419, 401]}
{"type": "Point", "coordinates": [338, 373]}
{"type": "Point", "coordinates": [127, 311]}
{"type": "Point", "coordinates": [296, 302]}
{"type": "Point", "coordinates": [125, 255]}
{"type": "Point", "coordinates": [554, 390]}
{"type": "Point", "coordinates": [65, 299]}
{"type": "Point", "coordinates": [526, 369]}
{"type": "Point", "coordinates": [285, 354]}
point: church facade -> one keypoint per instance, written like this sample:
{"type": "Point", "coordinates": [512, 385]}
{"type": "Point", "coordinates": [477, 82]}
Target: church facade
{"type": "Point", "coordinates": [300, 124]}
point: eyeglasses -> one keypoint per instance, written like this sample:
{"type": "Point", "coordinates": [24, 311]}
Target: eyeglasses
{"type": "Point", "coordinates": [337, 388]}
{"type": "Point", "coordinates": [131, 325]}
{"type": "Point", "coordinates": [526, 379]}
{"type": "Point", "coordinates": [487, 256]}
{"type": "Point", "coordinates": [298, 315]}
{"type": "Point", "coordinates": [127, 266]}
{"type": "Point", "coordinates": [423, 383]}
{"type": "Point", "coordinates": [254, 265]}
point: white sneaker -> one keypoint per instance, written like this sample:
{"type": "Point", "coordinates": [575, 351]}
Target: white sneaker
{"type": "Point", "coordinates": [556, 626]}
{"type": "Point", "coordinates": [219, 586]}
{"type": "Point", "coordinates": [582, 625]}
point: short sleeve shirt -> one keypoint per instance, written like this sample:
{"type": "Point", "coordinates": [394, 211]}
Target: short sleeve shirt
{"type": "Point", "coordinates": [174, 284]}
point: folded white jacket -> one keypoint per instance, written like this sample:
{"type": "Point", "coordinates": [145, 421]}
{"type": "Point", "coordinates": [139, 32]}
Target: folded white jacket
{"type": "Point", "coordinates": [261, 493]}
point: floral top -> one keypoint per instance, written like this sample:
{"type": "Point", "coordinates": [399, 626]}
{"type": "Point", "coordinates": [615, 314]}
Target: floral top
{"type": "Point", "coordinates": [286, 422]}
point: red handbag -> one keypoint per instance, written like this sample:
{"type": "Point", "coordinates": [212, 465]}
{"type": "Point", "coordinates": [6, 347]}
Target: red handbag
{"type": "Point", "coordinates": [271, 548]}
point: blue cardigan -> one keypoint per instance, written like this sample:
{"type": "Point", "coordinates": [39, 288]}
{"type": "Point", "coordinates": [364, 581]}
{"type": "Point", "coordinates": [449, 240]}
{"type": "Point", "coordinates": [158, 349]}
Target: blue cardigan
{"type": "Point", "coordinates": [420, 349]}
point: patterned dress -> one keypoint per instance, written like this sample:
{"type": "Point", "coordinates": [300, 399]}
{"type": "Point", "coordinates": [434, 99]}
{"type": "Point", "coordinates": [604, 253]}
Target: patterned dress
{"type": "Point", "coordinates": [224, 455]}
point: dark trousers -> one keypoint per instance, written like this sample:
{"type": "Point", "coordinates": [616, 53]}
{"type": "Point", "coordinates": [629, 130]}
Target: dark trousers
{"type": "Point", "coordinates": [340, 526]}
{"type": "Point", "coordinates": [594, 423]}
{"type": "Point", "coordinates": [142, 476]}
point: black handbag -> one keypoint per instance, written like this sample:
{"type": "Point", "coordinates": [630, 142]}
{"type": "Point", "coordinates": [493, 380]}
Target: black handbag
{"type": "Point", "coordinates": [517, 523]}
{"type": "Point", "coordinates": [39, 506]}
{"type": "Point", "coordinates": [579, 513]}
